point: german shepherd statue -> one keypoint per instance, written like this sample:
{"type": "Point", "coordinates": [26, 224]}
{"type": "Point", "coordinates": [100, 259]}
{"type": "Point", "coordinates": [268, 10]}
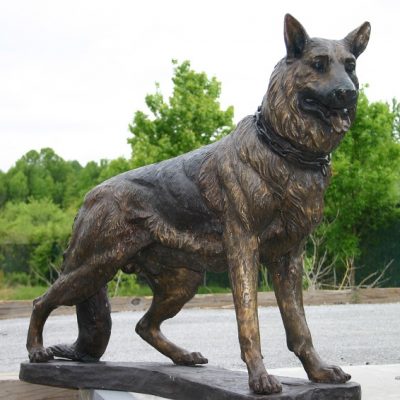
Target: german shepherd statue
{"type": "Point", "coordinates": [252, 197]}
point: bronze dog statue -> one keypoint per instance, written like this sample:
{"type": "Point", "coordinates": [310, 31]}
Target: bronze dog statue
{"type": "Point", "coordinates": [252, 197]}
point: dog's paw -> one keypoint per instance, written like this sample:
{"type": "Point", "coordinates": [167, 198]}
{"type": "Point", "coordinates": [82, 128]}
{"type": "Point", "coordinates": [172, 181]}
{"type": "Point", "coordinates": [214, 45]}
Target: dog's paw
{"type": "Point", "coordinates": [329, 374]}
{"type": "Point", "coordinates": [190, 359]}
{"type": "Point", "coordinates": [265, 384]}
{"type": "Point", "coordinates": [71, 352]}
{"type": "Point", "coordinates": [40, 354]}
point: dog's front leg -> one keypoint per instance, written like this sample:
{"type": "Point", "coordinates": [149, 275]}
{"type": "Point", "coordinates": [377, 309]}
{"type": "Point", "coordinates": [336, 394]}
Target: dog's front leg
{"type": "Point", "coordinates": [287, 275]}
{"type": "Point", "coordinates": [242, 253]}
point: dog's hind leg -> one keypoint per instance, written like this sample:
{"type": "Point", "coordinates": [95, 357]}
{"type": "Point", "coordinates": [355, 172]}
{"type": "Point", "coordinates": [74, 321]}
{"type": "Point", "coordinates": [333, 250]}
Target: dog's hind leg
{"type": "Point", "coordinates": [172, 288]}
{"type": "Point", "coordinates": [83, 287]}
{"type": "Point", "coordinates": [287, 276]}
{"type": "Point", "coordinates": [104, 239]}
{"type": "Point", "coordinates": [94, 323]}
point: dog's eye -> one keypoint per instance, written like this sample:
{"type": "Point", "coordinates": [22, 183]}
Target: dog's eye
{"type": "Point", "coordinates": [350, 67]}
{"type": "Point", "coordinates": [319, 65]}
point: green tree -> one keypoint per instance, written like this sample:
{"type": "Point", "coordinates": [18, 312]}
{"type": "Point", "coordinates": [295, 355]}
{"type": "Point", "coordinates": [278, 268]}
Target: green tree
{"type": "Point", "coordinates": [18, 189]}
{"type": "Point", "coordinates": [191, 117]}
{"type": "Point", "coordinates": [38, 231]}
{"type": "Point", "coordinates": [39, 175]}
{"type": "Point", "coordinates": [40, 181]}
{"type": "Point", "coordinates": [80, 181]}
{"type": "Point", "coordinates": [3, 188]}
{"type": "Point", "coordinates": [364, 191]}
{"type": "Point", "coordinates": [114, 167]}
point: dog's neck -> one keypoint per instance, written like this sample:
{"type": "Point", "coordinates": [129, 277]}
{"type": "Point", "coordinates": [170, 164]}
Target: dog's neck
{"type": "Point", "coordinates": [287, 150]}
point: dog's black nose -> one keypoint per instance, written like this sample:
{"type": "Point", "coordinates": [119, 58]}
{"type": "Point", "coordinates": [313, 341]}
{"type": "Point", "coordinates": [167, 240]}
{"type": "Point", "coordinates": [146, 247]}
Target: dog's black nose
{"type": "Point", "coordinates": [344, 97]}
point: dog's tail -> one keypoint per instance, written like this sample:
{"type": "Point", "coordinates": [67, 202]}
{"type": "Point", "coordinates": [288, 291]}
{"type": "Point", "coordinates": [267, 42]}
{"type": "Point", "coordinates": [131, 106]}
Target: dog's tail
{"type": "Point", "coordinates": [94, 323]}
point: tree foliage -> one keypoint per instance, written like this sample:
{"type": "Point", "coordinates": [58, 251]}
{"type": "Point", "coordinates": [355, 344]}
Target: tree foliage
{"type": "Point", "coordinates": [39, 196]}
{"type": "Point", "coordinates": [191, 117]}
{"type": "Point", "coordinates": [39, 175]}
{"type": "Point", "coordinates": [33, 236]}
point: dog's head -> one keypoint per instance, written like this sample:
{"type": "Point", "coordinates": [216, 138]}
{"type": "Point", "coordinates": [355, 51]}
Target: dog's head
{"type": "Point", "coordinates": [312, 96]}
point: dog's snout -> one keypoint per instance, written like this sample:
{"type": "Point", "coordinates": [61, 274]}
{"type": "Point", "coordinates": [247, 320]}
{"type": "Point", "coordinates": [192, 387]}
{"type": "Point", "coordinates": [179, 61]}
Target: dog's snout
{"type": "Point", "coordinates": [344, 96]}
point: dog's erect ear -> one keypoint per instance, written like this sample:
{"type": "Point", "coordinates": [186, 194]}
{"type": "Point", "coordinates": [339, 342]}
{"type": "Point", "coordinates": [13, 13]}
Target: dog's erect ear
{"type": "Point", "coordinates": [357, 40]}
{"type": "Point", "coordinates": [296, 37]}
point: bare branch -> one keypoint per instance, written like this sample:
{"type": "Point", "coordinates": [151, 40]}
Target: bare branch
{"type": "Point", "coordinates": [378, 279]}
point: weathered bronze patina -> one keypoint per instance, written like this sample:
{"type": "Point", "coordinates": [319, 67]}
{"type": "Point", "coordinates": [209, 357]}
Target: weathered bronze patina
{"type": "Point", "coordinates": [175, 382]}
{"type": "Point", "coordinates": [252, 197]}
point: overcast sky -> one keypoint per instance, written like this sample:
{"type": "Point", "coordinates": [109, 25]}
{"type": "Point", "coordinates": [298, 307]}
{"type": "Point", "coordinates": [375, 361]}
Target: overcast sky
{"type": "Point", "coordinates": [73, 72]}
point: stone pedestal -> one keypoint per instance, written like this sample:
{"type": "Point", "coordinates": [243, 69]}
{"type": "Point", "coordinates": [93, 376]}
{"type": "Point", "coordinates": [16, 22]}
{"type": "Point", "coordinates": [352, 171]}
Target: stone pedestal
{"type": "Point", "coordinates": [176, 382]}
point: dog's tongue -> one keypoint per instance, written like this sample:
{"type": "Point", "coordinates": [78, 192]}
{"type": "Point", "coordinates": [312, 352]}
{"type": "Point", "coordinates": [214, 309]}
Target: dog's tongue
{"type": "Point", "coordinates": [340, 122]}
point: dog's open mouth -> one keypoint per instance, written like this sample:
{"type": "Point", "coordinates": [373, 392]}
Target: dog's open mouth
{"type": "Point", "coordinates": [339, 119]}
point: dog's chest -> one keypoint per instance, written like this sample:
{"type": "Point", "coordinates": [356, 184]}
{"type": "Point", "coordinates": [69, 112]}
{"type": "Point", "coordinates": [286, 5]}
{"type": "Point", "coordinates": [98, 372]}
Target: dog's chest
{"type": "Point", "coordinates": [297, 213]}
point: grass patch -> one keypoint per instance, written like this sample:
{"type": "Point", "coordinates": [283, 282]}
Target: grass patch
{"type": "Point", "coordinates": [21, 292]}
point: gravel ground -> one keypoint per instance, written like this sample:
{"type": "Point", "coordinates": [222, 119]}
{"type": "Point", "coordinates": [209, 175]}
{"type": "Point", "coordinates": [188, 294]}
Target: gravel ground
{"type": "Point", "coordinates": [349, 334]}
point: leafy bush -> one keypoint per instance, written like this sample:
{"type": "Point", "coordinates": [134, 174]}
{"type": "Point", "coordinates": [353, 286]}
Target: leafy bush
{"type": "Point", "coordinates": [123, 285]}
{"type": "Point", "coordinates": [17, 278]}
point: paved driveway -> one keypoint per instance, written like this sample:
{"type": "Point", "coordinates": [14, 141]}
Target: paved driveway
{"type": "Point", "coordinates": [344, 334]}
